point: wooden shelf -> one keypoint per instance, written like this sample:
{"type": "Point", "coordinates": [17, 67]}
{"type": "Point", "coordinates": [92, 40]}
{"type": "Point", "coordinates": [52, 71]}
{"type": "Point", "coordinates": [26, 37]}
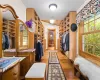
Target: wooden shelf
{"type": "Point", "coordinates": [9, 27]}
{"type": "Point", "coordinates": [65, 23]}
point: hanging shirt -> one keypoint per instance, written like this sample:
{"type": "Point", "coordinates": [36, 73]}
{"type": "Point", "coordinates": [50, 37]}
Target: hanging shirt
{"type": "Point", "coordinates": [6, 42]}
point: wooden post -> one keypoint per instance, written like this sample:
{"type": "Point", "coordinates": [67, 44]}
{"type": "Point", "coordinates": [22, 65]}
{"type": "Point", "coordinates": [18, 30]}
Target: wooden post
{"type": "Point", "coordinates": [17, 35]}
{"type": "Point", "coordinates": [72, 35]}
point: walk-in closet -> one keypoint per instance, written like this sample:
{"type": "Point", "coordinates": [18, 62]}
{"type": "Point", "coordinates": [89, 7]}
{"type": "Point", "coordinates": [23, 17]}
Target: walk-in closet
{"type": "Point", "coordinates": [49, 39]}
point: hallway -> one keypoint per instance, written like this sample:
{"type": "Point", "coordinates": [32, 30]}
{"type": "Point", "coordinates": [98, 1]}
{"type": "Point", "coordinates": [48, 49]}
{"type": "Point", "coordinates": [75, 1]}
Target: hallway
{"type": "Point", "coordinates": [66, 65]}
{"type": "Point", "coordinates": [50, 40]}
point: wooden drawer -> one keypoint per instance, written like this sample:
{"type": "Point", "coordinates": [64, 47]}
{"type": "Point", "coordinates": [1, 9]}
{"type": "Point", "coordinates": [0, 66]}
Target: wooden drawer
{"type": "Point", "coordinates": [16, 72]}
{"type": "Point", "coordinates": [12, 74]}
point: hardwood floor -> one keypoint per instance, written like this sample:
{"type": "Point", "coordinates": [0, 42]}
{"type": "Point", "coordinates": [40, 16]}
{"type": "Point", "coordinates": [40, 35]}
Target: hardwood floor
{"type": "Point", "coordinates": [65, 63]}
{"type": "Point", "coordinates": [51, 48]}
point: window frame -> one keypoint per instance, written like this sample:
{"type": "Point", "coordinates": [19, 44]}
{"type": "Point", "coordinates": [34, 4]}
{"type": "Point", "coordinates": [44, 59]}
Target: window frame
{"type": "Point", "coordinates": [93, 58]}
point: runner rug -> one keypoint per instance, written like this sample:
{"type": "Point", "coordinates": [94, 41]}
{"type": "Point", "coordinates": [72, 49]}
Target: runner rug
{"type": "Point", "coordinates": [53, 57]}
{"type": "Point", "coordinates": [55, 71]}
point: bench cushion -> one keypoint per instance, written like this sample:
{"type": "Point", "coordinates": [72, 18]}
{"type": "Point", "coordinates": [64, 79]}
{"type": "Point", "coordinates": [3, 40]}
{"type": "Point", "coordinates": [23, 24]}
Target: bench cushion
{"type": "Point", "coordinates": [36, 71]}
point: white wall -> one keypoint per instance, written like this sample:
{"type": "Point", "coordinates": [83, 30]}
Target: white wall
{"type": "Point", "coordinates": [50, 26]}
{"type": "Point", "coordinates": [18, 6]}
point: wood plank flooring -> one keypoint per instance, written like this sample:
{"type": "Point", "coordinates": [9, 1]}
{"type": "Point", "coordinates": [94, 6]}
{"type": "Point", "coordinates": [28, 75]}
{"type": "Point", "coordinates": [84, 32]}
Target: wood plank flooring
{"type": "Point", "coordinates": [65, 63]}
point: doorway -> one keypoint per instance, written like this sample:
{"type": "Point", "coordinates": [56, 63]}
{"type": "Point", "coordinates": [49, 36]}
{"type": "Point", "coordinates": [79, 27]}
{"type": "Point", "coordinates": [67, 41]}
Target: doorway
{"type": "Point", "coordinates": [52, 39]}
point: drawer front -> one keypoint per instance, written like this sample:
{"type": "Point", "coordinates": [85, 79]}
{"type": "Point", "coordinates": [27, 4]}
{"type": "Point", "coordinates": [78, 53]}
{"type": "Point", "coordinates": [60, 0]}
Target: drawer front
{"type": "Point", "coordinates": [16, 72]}
{"type": "Point", "coordinates": [12, 74]}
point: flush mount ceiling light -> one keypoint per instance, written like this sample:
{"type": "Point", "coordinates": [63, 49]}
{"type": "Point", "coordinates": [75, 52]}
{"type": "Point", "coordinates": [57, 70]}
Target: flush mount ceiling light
{"type": "Point", "coordinates": [53, 7]}
{"type": "Point", "coordinates": [52, 21]}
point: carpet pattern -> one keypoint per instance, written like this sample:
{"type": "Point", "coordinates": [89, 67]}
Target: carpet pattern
{"type": "Point", "coordinates": [55, 71]}
{"type": "Point", "coordinates": [53, 57]}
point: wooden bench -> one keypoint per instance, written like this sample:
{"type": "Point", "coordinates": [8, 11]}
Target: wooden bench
{"type": "Point", "coordinates": [36, 72]}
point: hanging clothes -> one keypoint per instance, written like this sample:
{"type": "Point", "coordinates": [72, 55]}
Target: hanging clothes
{"type": "Point", "coordinates": [6, 41]}
{"type": "Point", "coordinates": [3, 41]}
{"type": "Point", "coordinates": [65, 41]}
{"type": "Point", "coordinates": [39, 51]}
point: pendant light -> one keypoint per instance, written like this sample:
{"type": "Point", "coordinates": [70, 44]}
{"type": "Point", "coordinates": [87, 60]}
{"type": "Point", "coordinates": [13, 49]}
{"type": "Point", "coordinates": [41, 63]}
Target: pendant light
{"type": "Point", "coordinates": [52, 21]}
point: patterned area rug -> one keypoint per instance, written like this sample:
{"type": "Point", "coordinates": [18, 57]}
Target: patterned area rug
{"type": "Point", "coordinates": [55, 71]}
{"type": "Point", "coordinates": [53, 57]}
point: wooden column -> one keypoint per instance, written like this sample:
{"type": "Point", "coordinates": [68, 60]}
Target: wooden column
{"type": "Point", "coordinates": [1, 22]}
{"type": "Point", "coordinates": [17, 35]}
{"type": "Point", "coordinates": [30, 14]}
{"type": "Point", "coordinates": [81, 30]}
{"type": "Point", "coordinates": [72, 35]}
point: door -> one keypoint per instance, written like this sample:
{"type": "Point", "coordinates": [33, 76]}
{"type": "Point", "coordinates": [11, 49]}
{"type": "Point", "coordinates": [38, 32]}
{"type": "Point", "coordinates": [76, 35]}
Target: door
{"type": "Point", "coordinates": [52, 39]}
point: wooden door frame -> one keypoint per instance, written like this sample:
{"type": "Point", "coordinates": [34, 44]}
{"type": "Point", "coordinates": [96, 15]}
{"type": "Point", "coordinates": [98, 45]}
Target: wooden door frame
{"type": "Point", "coordinates": [54, 38]}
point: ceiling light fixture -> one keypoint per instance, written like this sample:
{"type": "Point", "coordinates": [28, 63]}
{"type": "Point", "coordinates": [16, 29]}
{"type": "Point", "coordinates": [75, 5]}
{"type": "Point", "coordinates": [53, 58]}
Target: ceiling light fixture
{"type": "Point", "coordinates": [52, 21]}
{"type": "Point", "coordinates": [53, 7]}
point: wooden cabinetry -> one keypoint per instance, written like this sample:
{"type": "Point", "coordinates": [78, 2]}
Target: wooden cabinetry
{"type": "Point", "coordinates": [12, 74]}
{"type": "Point", "coordinates": [27, 62]}
{"type": "Point", "coordinates": [9, 27]}
{"type": "Point", "coordinates": [39, 30]}
{"type": "Point", "coordinates": [10, 30]}
{"type": "Point", "coordinates": [65, 25]}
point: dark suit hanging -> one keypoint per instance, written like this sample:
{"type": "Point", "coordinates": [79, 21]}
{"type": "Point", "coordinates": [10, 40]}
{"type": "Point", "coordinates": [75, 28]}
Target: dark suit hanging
{"type": "Point", "coordinates": [67, 42]}
{"type": "Point", "coordinates": [6, 42]}
{"type": "Point", "coordinates": [39, 51]}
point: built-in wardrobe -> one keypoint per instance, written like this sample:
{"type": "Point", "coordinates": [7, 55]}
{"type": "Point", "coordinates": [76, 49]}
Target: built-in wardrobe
{"type": "Point", "coordinates": [65, 28]}
{"type": "Point", "coordinates": [14, 45]}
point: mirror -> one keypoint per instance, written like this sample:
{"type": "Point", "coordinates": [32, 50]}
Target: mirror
{"type": "Point", "coordinates": [23, 35]}
{"type": "Point", "coordinates": [8, 20]}
{"type": "Point", "coordinates": [8, 30]}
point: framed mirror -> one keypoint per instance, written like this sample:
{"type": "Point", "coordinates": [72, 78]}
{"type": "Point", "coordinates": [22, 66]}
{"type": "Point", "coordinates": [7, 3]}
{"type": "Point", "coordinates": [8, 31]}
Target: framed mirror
{"type": "Point", "coordinates": [23, 35]}
{"type": "Point", "coordinates": [8, 29]}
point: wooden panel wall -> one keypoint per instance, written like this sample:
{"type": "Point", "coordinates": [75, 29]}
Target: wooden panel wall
{"type": "Point", "coordinates": [30, 14]}
{"type": "Point", "coordinates": [72, 45]}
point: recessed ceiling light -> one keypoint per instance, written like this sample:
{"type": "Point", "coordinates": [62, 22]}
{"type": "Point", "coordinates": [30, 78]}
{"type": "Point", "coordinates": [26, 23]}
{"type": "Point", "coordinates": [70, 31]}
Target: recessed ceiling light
{"type": "Point", "coordinates": [52, 21]}
{"type": "Point", "coordinates": [53, 7]}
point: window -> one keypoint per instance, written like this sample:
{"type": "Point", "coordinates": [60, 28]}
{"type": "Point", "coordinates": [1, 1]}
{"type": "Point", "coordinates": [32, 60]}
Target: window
{"type": "Point", "coordinates": [25, 38]}
{"type": "Point", "coordinates": [91, 36]}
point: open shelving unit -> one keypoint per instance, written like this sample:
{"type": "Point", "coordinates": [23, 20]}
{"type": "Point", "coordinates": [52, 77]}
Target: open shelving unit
{"type": "Point", "coordinates": [65, 26]}
{"type": "Point", "coordinates": [9, 27]}
{"type": "Point", "coordinates": [39, 29]}
{"type": "Point", "coordinates": [10, 30]}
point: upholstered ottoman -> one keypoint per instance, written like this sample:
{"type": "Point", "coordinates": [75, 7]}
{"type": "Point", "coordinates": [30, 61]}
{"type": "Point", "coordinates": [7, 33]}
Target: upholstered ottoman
{"type": "Point", "coordinates": [36, 72]}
